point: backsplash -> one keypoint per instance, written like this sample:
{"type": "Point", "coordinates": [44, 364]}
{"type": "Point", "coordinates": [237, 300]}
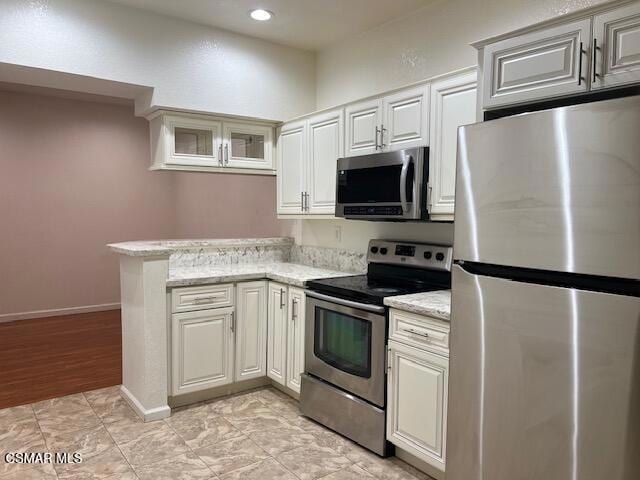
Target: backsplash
{"type": "Point", "coordinates": [331, 258]}
{"type": "Point", "coordinates": [319, 257]}
{"type": "Point", "coordinates": [229, 256]}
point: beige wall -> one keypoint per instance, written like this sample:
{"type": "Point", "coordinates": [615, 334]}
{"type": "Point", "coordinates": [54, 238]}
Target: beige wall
{"type": "Point", "coordinates": [73, 177]}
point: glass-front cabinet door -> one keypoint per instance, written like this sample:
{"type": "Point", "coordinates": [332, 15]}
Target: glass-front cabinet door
{"type": "Point", "coordinates": [247, 146]}
{"type": "Point", "coordinates": [193, 142]}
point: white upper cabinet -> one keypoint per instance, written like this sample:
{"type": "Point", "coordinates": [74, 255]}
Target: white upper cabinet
{"type": "Point", "coordinates": [210, 144]}
{"type": "Point", "coordinates": [545, 63]}
{"type": "Point", "coordinates": [406, 119]}
{"type": "Point", "coordinates": [247, 146]}
{"type": "Point", "coordinates": [617, 42]}
{"type": "Point", "coordinates": [277, 333]}
{"type": "Point", "coordinates": [453, 104]}
{"type": "Point", "coordinates": [250, 328]}
{"type": "Point", "coordinates": [202, 350]}
{"type": "Point", "coordinates": [363, 127]}
{"type": "Point", "coordinates": [326, 145]}
{"type": "Point", "coordinates": [292, 153]}
{"type": "Point", "coordinates": [295, 338]}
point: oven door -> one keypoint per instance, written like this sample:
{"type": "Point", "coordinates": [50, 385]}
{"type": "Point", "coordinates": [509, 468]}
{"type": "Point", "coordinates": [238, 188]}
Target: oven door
{"type": "Point", "coordinates": [345, 345]}
{"type": "Point", "coordinates": [383, 185]}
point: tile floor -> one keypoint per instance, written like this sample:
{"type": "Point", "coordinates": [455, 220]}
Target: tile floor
{"type": "Point", "coordinates": [254, 435]}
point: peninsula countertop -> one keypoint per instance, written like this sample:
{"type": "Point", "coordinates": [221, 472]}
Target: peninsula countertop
{"type": "Point", "coordinates": [289, 273]}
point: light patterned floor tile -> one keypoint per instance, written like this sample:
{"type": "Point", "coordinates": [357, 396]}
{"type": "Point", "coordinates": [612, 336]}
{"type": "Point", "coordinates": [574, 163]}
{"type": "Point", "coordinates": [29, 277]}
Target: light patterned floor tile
{"type": "Point", "coordinates": [15, 414]}
{"type": "Point", "coordinates": [88, 442]}
{"type": "Point", "coordinates": [157, 445]}
{"type": "Point", "coordinates": [126, 430]}
{"type": "Point", "coordinates": [21, 436]}
{"type": "Point", "coordinates": [200, 427]}
{"type": "Point", "coordinates": [352, 472]}
{"type": "Point", "coordinates": [65, 414]}
{"type": "Point", "coordinates": [258, 422]}
{"type": "Point", "coordinates": [265, 470]}
{"type": "Point", "coordinates": [238, 406]}
{"type": "Point", "coordinates": [281, 440]}
{"type": "Point", "coordinates": [230, 455]}
{"type": "Point", "coordinates": [183, 467]}
{"type": "Point", "coordinates": [105, 464]}
{"type": "Point", "coordinates": [109, 405]}
{"type": "Point", "coordinates": [42, 471]}
{"type": "Point", "coordinates": [387, 468]}
{"type": "Point", "coordinates": [309, 463]}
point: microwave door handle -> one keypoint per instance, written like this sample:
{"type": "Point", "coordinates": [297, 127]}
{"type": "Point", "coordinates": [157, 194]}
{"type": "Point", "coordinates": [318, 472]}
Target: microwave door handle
{"type": "Point", "coordinates": [403, 183]}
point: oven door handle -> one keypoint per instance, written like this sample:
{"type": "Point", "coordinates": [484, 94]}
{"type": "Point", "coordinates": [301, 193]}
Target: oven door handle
{"type": "Point", "coordinates": [346, 303]}
{"type": "Point", "coordinates": [403, 182]}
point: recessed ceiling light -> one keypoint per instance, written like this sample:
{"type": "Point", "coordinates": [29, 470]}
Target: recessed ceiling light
{"type": "Point", "coordinates": [261, 15]}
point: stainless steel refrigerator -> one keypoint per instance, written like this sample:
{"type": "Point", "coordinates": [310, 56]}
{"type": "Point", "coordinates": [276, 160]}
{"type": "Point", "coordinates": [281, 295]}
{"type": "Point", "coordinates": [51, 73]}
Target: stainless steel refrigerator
{"type": "Point", "coordinates": [545, 346]}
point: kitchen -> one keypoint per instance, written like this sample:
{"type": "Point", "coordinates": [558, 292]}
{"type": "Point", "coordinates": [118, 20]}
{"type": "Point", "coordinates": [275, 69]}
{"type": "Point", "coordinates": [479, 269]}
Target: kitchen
{"type": "Point", "coordinates": [255, 313]}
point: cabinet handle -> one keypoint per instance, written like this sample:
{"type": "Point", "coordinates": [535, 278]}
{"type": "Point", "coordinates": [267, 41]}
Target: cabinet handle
{"type": "Point", "coordinates": [220, 156]}
{"type": "Point", "coordinates": [594, 54]}
{"type": "Point", "coordinates": [388, 360]}
{"type": "Point", "coordinates": [382, 130]}
{"type": "Point", "coordinates": [281, 299]}
{"type": "Point", "coordinates": [233, 322]}
{"type": "Point", "coordinates": [294, 310]}
{"type": "Point", "coordinates": [415, 332]}
{"type": "Point", "coordinates": [580, 65]}
{"type": "Point", "coordinates": [302, 201]}
{"type": "Point", "coordinates": [377, 133]}
{"type": "Point", "coordinates": [226, 154]}
{"type": "Point", "coordinates": [203, 300]}
{"type": "Point", "coordinates": [306, 201]}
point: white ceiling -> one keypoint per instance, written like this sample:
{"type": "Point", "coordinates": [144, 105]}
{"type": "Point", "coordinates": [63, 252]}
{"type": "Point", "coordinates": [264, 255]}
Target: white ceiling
{"type": "Point", "coordinates": [306, 24]}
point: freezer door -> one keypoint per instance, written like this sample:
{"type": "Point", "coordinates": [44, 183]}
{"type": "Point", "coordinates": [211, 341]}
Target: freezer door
{"type": "Point", "coordinates": [544, 383]}
{"type": "Point", "coordinates": [555, 190]}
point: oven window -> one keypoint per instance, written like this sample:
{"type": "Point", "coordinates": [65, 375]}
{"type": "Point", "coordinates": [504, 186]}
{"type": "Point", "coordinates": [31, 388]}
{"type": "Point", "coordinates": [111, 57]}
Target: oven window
{"type": "Point", "coordinates": [343, 341]}
{"type": "Point", "coordinates": [374, 185]}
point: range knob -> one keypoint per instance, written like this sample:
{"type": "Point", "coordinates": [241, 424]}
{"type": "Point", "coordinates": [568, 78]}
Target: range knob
{"type": "Point", "coordinates": [374, 249]}
{"type": "Point", "coordinates": [383, 251]}
{"type": "Point", "coordinates": [439, 256]}
{"type": "Point", "coordinates": [428, 255]}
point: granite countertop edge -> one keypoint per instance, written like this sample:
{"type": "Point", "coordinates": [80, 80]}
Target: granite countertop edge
{"type": "Point", "coordinates": [149, 248]}
{"type": "Point", "coordinates": [435, 304]}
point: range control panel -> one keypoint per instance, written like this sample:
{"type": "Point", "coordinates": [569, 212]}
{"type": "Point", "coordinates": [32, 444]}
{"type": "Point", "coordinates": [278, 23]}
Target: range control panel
{"type": "Point", "coordinates": [423, 255]}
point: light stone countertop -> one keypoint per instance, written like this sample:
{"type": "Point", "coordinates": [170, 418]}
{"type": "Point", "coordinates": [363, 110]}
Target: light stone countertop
{"type": "Point", "coordinates": [284, 272]}
{"type": "Point", "coordinates": [166, 247]}
{"type": "Point", "coordinates": [433, 304]}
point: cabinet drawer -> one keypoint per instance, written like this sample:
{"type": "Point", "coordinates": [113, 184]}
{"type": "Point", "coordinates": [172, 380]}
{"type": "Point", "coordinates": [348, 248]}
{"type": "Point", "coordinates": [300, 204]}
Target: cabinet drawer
{"type": "Point", "coordinates": [419, 331]}
{"type": "Point", "coordinates": [202, 297]}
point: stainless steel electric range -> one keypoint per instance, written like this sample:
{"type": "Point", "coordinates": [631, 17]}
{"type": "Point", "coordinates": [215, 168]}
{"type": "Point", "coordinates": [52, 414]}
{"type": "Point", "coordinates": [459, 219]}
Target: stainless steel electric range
{"type": "Point", "coordinates": [344, 385]}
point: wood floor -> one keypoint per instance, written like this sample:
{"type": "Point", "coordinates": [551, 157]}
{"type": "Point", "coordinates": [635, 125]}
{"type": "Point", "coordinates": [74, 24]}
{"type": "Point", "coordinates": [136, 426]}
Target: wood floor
{"type": "Point", "coordinates": [51, 357]}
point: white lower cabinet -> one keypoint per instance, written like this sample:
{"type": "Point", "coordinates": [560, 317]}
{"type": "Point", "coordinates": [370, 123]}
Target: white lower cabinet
{"type": "Point", "coordinates": [277, 333]}
{"type": "Point", "coordinates": [295, 338]}
{"type": "Point", "coordinates": [417, 402]}
{"type": "Point", "coordinates": [251, 330]}
{"type": "Point", "coordinates": [202, 349]}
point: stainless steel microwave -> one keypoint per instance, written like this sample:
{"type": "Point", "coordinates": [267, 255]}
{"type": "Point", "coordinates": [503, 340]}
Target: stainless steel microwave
{"type": "Point", "coordinates": [384, 186]}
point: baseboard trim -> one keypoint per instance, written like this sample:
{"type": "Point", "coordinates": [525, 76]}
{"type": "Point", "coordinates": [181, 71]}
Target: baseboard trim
{"type": "Point", "coordinates": [10, 317]}
{"type": "Point", "coordinates": [148, 415]}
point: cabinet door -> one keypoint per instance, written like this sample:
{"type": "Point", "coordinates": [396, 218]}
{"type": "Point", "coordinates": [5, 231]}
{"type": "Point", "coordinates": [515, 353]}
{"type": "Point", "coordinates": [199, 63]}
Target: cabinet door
{"type": "Point", "coordinates": [326, 145]}
{"type": "Point", "coordinates": [202, 350]}
{"type": "Point", "coordinates": [406, 119]}
{"type": "Point", "coordinates": [363, 121]}
{"type": "Point", "coordinates": [417, 409]}
{"type": "Point", "coordinates": [292, 154]}
{"type": "Point", "coordinates": [251, 330]}
{"type": "Point", "coordinates": [537, 65]}
{"type": "Point", "coordinates": [618, 39]}
{"type": "Point", "coordinates": [295, 338]}
{"type": "Point", "coordinates": [453, 104]}
{"type": "Point", "coordinates": [277, 333]}
{"type": "Point", "coordinates": [247, 146]}
{"type": "Point", "coordinates": [192, 141]}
